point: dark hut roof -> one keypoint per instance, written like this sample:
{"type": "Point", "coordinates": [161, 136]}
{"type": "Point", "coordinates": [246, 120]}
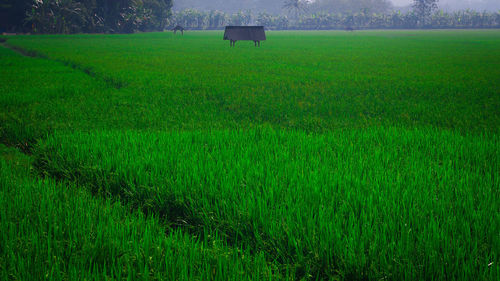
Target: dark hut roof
{"type": "Point", "coordinates": [255, 33]}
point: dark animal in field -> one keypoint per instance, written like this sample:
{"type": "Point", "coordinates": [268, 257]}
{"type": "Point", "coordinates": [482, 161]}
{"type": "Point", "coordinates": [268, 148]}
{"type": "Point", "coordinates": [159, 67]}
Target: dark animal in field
{"type": "Point", "coordinates": [248, 33]}
{"type": "Point", "coordinates": [178, 28]}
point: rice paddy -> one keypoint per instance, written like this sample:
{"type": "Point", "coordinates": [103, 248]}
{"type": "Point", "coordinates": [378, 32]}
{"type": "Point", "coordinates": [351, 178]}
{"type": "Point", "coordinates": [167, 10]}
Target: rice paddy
{"type": "Point", "coordinates": [371, 155]}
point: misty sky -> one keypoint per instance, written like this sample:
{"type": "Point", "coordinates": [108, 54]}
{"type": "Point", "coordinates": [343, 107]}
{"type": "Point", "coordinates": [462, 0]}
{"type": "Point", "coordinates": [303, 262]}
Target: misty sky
{"type": "Point", "coordinates": [479, 5]}
{"type": "Point", "coordinates": [401, 2]}
{"type": "Point", "coordinates": [407, 2]}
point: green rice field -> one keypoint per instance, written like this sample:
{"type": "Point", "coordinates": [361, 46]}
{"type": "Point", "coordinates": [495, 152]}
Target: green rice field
{"type": "Point", "coordinates": [321, 155]}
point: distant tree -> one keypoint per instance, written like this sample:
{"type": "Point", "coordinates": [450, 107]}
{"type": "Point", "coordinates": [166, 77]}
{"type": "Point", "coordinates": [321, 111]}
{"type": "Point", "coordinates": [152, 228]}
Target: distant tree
{"type": "Point", "coordinates": [52, 16]}
{"type": "Point", "coordinates": [114, 16]}
{"type": "Point", "coordinates": [424, 9]}
{"type": "Point", "coordinates": [295, 6]}
{"type": "Point", "coordinates": [216, 19]}
{"type": "Point", "coordinates": [264, 19]}
{"type": "Point", "coordinates": [350, 6]}
{"type": "Point", "coordinates": [241, 18]}
{"type": "Point", "coordinates": [13, 13]}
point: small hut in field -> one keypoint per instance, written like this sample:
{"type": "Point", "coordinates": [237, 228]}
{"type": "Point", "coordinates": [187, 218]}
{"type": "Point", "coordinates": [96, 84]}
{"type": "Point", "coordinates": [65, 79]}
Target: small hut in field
{"type": "Point", "coordinates": [248, 33]}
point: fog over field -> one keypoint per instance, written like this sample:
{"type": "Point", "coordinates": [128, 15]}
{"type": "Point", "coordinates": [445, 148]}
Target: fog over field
{"type": "Point", "coordinates": [479, 5]}
{"type": "Point", "coordinates": [276, 6]}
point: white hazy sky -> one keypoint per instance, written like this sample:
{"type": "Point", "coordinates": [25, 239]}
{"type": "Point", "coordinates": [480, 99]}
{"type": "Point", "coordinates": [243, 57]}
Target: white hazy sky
{"type": "Point", "coordinates": [401, 2]}
{"type": "Point", "coordinates": [460, 3]}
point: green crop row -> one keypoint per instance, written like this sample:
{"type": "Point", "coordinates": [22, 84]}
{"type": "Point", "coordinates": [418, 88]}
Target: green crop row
{"type": "Point", "coordinates": [50, 231]}
{"type": "Point", "coordinates": [314, 81]}
{"type": "Point", "coordinates": [38, 96]}
{"type": "Point", "coordinates": [373, 203]}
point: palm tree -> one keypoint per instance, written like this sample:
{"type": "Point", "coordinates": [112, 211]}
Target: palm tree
{"type": "Point", "coordinates": [295, 6]}
{"type": "Point", "coordinates": [424, 9]}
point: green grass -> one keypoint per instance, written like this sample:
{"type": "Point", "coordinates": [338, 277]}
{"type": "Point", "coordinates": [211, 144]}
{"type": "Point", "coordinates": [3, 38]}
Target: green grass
{"type": "Point", "coordinates": [320, 155]}
{"type": "Point", "coordinates": [340, 202]}
{"type": "Point", "coordinates": [315, 81]}
{"type": "Point", "coordinates": [52, 231]}
{"type": "Point", "coordinates": [38, 96]}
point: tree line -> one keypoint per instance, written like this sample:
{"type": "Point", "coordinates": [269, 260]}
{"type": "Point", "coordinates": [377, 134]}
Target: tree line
{"type": "Point", "coordinates": [276, 7]}
{"type": "Point", "coordinates": [193, 19]}
{"type": "Point", "coordinates": [84, 16]}
{"type": "Point", "coordinates": [127, 16]}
